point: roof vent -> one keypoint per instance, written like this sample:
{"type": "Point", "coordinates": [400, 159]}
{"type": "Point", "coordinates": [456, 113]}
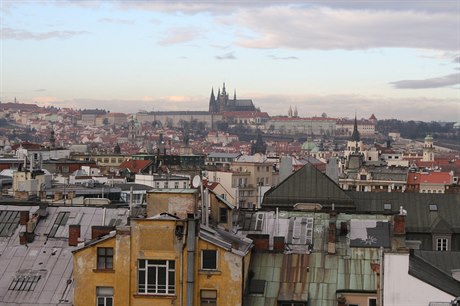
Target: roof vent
{"type": "Point", "coordinates": [433, 207]}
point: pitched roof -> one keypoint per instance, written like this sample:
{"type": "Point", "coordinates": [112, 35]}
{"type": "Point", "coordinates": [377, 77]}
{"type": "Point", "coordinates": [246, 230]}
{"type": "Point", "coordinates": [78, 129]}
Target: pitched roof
{"type": "Point", "coordinates": [419, 216]}
{"type": "Point", "coordinates": [307, 185]}
{"type": "Point", "coordinates": [46, 262]}
{"type": "Point", "coordinates": [435, 178]}
{"type": "Point", "coordinates": [430, 274]}
{"type": "Point", "coordinates": [135, 166]}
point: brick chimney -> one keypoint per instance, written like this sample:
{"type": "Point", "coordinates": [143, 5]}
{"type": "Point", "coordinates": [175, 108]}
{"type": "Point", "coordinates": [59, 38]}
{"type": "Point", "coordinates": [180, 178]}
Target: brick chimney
{"type": "Point", "coordinates": [278, 243]}
{"type": "Point", "coordinates": [261, 242]}
{"type": "Point", "coordinates": [22, 238]}
{"type": "Point", "coordinates": [23, 217]}
{"type": "Point", "coordinates": [98, 231]}
{"type": "Point", "coordinates": [399, 225]}
{"type": "Point", "coordinates": [74, 234]}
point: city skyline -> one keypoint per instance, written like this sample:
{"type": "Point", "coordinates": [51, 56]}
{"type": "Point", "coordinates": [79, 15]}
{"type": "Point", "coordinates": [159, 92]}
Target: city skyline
{"type": "Point", "coordinates": [396, 60]}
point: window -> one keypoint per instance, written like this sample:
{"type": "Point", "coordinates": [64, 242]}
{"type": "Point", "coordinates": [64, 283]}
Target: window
{"type": "Point", "coordinates": [157, 185]}
{"type": "Point", "coordinates": [372, 302]}
{"type": "Point", "coordinates": [442, 244]}
{"type": "Point", "coordinates": [185, 185]}
{"type": "Point", "coordinates": [433, 207]}
{"type": "Point", "coordinates": [223, 218]}
{"type": "Point", "coordinates": [156, 276]}
{"type": "Point", "coordinates": [104, 296]}
{"type": "Point", "coordinates": [209, 259]}
{"type": "Point", "coordinates": [105, 258]}
{"type": "Point", "coordinates": [25, 282]}
{"type": "Point", "coordinates": [208, 298]}
{"type": "Point", "coordinates": [176, 185]}
{"type": "Point", "coordinates": [165, 185]}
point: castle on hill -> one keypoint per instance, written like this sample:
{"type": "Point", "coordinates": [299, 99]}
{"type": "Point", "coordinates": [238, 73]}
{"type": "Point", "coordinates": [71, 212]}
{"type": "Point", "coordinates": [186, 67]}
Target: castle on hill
{"type": "Point", "coordinates": [222, 103]}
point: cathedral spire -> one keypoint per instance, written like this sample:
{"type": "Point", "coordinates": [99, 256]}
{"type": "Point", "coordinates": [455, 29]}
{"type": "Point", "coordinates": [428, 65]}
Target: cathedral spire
{"type": "Point", "coordinates": [355, 135]}
{"type": "Point", "coordinates": [234, 95]}
{"type": "Point", "coordinates": [223, 89]}
{"type": "Point", "coordinates": [212, 102]}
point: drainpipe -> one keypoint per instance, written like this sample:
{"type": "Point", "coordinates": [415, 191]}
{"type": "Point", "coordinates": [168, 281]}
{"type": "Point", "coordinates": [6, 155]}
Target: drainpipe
{"type": "Point", "coordinates": [191, 233]}
{"type": "Point", "coordinates": [181, 267]}
{"type": "Point", "coordinates": [381, 276]}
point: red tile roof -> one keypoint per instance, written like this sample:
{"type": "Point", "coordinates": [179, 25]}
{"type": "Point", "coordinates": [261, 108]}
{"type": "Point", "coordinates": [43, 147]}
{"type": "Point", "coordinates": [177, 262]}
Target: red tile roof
{"type": "Point", "coordinates": [435, 178]}
{"type": "Point", "coordinates": [135, 166]}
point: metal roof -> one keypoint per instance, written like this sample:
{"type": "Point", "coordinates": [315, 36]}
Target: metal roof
{"type": "Point", "coordinates": [236, 244]}
{"type": "Point", "coordinates": [428, 273]}
{"type": "Point", "coordinates": [419, 216]}
{"type": "Point", "coordinates": [40, 272]}
{"type": "Point", "coordinates": [307, 185]}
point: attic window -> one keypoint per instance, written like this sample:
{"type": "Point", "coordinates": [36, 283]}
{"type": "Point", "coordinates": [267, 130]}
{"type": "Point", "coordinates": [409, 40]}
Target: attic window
{"type": "Point", "coordinates": [25, 282]}
{"type": "Point", "coordinates": [59, 224]}
{"type": "Point", "coordinates": [8, 222]}
{"type": "Point", "coordinates": [387, 206]}
{"type": "Point", "coordinates": [433, 207]}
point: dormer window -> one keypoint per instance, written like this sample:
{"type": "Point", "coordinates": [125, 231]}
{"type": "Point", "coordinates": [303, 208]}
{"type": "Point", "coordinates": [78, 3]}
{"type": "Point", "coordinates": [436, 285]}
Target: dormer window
{"type": "Point", "coordinates": [433, 207]}
{"type": "Point", "coordinates": [442, 244]}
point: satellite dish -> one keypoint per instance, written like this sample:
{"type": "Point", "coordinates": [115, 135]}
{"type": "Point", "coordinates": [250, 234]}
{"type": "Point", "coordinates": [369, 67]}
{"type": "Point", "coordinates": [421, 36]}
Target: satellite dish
{"type": "Point", "coordinates": [196, 182]}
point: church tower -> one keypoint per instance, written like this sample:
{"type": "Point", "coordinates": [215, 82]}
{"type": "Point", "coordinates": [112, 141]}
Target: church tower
{"type": "Point", "coordinates": [428, 149]}
{"type": "Point", "coordinates": [212, 103]}
{"type": "Point", "coordinates": [354, 145]}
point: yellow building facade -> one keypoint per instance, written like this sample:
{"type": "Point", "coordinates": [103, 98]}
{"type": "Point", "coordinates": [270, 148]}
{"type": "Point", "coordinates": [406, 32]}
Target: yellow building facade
{"type": "Point", "coordinates": [147, 263]}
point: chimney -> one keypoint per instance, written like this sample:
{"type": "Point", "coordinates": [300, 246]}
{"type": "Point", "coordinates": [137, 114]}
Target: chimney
{"type": "Point", "coordinates": [399, 225]}
{"type": "Point", "coordinates": [74, 234]}
{"type": "Point", "coordinates": [261, 242]}
{"type": "Point", "coordinates": [278, 244]}
{"type": "Point", "coordinates": [23, 217]}
{"type": "Point", "coordinates": [332, 232]}
{"type": "Point", "coordinates": [22, 238]}
{"type": "Point", "coordinates": [98, 231]}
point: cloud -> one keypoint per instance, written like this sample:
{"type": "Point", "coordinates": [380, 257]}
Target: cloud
{"type": "Point", "coordinates": [351, 29]}
{"type": "Point", "coordinates": [226, 56]}
{"type": "Point", "coordinates": [283, 57]}
{"type": "Point", "coordinates": [116, 21]}
{"type": "Point", "coordinates": [9, 33]}
{"type": "Point", "coordinates": [180, 35]}
{"type": "Point", "coordinates": [444, 81]}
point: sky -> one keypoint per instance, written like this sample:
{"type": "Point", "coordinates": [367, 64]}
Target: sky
{"type": "Point", "coordinates": [394, 59]}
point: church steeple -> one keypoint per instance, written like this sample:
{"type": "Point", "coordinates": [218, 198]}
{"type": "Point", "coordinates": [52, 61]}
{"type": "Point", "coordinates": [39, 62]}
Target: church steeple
{"type": "Point", "coordinates": [355, 136]}
{"type": "Point", "coordinates": [212, 102]}
{"type": "Point", "coordinates": [234, 95]}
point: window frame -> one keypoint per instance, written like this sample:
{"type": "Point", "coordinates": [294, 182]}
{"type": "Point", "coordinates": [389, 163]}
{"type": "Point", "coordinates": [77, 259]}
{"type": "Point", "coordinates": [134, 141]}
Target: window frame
{"type": "Point", "coordinates": [104, 297]}
{"type": "Point", "coordinates": [208, 299]}
{"type": "Point", "coordinates": [153, 268]}
{"type": "Point", "coordinates": [216, 259]}
{"type": "Point", "coordinates": [442, 244]}
{"type": "Point", "coordinates": [101, 262]}
{"type": "Point", "coordinates": [223, 215]}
